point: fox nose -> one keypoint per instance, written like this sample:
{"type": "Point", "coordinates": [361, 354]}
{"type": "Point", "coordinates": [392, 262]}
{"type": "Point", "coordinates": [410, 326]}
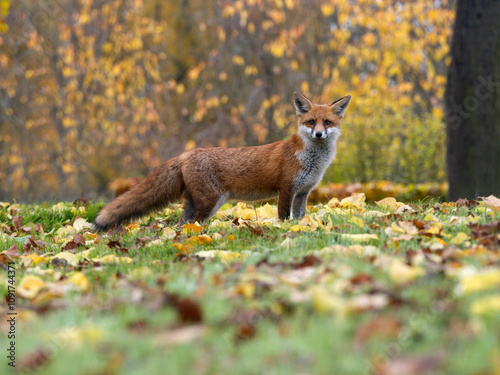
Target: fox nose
{"type": "Point", "coordinates": [318, 134]}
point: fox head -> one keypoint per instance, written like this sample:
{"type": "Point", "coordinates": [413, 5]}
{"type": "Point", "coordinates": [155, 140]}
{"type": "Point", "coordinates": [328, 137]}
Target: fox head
{"type": "Point", "coordinates": [319, 121]}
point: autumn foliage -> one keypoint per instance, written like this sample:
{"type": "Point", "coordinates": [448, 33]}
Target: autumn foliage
{"type": "Point", "coordinates": [92, 90]}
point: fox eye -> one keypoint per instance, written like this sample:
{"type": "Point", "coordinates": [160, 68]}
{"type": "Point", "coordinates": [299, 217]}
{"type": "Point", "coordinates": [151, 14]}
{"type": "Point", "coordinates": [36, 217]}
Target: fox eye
{"type": "Point", "coordinates": [311, 122]}
{"type": "Point", "coordinates": [328, 122]}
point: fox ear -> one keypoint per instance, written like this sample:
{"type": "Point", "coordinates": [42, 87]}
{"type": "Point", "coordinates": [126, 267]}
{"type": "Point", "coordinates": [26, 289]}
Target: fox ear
{"type": "Point", "coordinates": [339, 106]}
{"type": "Point", "coordinates": [302, 104]}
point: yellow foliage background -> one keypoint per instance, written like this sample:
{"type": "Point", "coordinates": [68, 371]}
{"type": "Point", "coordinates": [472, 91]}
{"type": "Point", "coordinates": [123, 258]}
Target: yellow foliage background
{"type": "Point", "coordinates": [91, 90]}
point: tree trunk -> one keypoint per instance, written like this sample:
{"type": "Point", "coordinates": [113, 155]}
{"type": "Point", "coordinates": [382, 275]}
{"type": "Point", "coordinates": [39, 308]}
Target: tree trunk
{"type": "Point", "coordinates": [472, 101]}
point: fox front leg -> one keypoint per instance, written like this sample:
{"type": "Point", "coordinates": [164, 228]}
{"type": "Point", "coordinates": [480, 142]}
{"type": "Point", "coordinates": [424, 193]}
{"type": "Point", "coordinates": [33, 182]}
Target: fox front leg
{"type": "Point", "coordinates": [299, 205]}
{"type": "Point", "coordinates": [285, 204]}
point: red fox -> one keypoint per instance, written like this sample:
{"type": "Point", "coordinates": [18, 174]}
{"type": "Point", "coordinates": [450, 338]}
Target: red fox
{"type": "Point", "coordinates": [207, 178]}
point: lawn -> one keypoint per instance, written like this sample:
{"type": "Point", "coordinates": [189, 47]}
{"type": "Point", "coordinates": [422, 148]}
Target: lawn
{"type": "Point", "coordinates": [352, 288]}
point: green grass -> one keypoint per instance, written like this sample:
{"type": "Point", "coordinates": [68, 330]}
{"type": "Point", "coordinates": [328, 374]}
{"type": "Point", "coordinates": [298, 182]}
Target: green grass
{"type": "Point", "coordinates": [351, 308]}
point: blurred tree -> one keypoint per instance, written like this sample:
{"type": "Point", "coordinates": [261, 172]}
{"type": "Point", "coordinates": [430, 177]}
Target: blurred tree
{"type": "Point", "coordinates": [91, 90]}
{"type": "Point", "coordinates": [473, 101]}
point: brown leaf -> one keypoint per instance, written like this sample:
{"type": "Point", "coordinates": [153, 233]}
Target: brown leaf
{"type": "Point", "coordinates": [29, 244]}
{"type": "Point", "coordinates": [182, 335]}
{"type": "Point", "coordinates": [82, 201]}
{"type": "Point", "coordinates": [71, 245]}
{"type": "Point", "coordinates": [78, 239]}
{"type": "Point", "coordinates": [361, 278]}
{"type": "Point", "coordinates": [491, 202]}
{"type": "Point", "coordinates": [12, 251]}
{"type": "Point", "coordinates": [379, 327]}
{"type": "Point", "coordinates": [414, 365]}
{"type": "Point", "coordinates": [140, 241]}
{"type": "Point", "coordinates": [188, 310]}
{"type": "Point", "coordinates": [17, 221]}
{"type": "Point", "coordinates": [308, 261]}
{"type": "Point", "coordinates": [139, 326]}
{"type": "Point", "coordinates": [467, 203]}
{"type": "Point", "coordinates": [483, 230]}
{"type": "Point", "coordinates": [34, 360]}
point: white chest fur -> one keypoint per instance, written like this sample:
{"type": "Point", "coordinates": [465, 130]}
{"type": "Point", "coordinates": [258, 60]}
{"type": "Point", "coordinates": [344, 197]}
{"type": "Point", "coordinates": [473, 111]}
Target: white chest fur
{"type": "Point", "coordinates": [316, 156]}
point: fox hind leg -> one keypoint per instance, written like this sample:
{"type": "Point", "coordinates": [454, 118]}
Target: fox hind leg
{"type": "Point", "coordinates": [207, 207]}
{"type": "Point", "coordinates": [189, 210]}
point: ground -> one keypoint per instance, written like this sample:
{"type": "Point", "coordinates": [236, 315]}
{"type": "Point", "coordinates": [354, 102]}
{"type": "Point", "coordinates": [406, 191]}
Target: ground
{"type": "Point", "coordinates": [352, 288]}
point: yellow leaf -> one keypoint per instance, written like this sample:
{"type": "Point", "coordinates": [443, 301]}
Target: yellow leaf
{"type": "Point", "coordinates": [357, 221]}
{"type": "Point", "coordinates": [401, 273]}
{"type": "Point", "coordinates": [141, 273]}
{"type": "Point", "coordinates": [389, 203]}
{"type": "Point", "coordinates": [486, 305]}
{"type": "Point", "coordinates": [460, 238]}
{"type": "Point", "coordinates": [32, 260]}
{"type": "Point", "coordinates": [298, 228]}
{"type": "Point", "coordinates": [133, 227]}
{"type": "Point", "coordinates": [334, 202]}
{"type": "Point", "coordinates": [168, 233]}
{"type": "Point", "coordinates": [71, 258]}
{"type": "Point", "coordinates": [481, 281]}
{"type": "Point", "coordinates": [190, 145]}
{"type": "Point", "coordinates": [224, 255]}
{"type": "Point", "coordinates": [203, 239]}
{"type": "Point", "coordinates": [359, 237]}
{"type": "Point", "coordinates": [80, 280]}
{"type": "Point", "coordinates": [435, 229]}
{"type": "Point", "coordinates": [325, 302]}
{"type": "Point", "coordinates": [396, 228]}
{"type": "Point", "coordinates": [266, 212]}
{"type": "Point", "coordinates": [112, 259]}
{"type": "Point", "coordinates": [245, 289]}
{"type": "Point", "coordinates": [327, 10]}
{"type": "Point", "coordinates": [30, 286]}
{"type": "Point", "coordinates": [307, 221]}
{"type": "Point", "coordinates": [356, 200]}
{"type": "Point", "coordinates": [430, 217]}
{"type": "Point", "coordinates": [238, 60]}
{"type": "Point", "coordinates": [191, 228]}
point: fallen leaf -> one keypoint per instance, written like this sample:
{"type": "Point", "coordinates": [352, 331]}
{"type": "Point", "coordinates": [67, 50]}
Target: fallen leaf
{"type": "Point", "coordinates": [483, 280]}
{"type": "Point", "coordinates": [389, 203]}
{"type": "Point", "coordinates": [34, 359]}
{"type": "Point", "coordinates": [202, 239]}
{"type": "Point", "coordinates": [486, 305]}
{"type": "Point", "coordinates": [356, 200]}
{"type": "Point", "coordinates": [112, 259]}
{"type": "Point", "coordinates": [188, 310]}
{"type": "Point", "coordinates": [359, 237]}
{"type": "Point", "coordinates": [224, 255]}
{"type": "Point", "coordinates": [179, 336]}
{"type": "Point", "coordinates": [357, 221]}
{"type": "Point", "coordinates": [30, 286]}
{"type": "Point", "coordinates": [266, 211]}
{"type": "Point", "coordinates": [80, 280]}
{"type": "Point", "coordinates": [412, 365]}
{"type": "Point", "coordinates": [70, 258]}
{"type": "Point", "coordinates": [491, 202]}
{"type": "Point", "coordinates": [81, 224]}
{"type": "Point", "coordinates": [187, 228]}
{"type": "Point", "coordinates": [326, 302]}
{"type": "Point", "coordinates": [380, 327]}
{"type": "Point", "coordinates": [401, 273]}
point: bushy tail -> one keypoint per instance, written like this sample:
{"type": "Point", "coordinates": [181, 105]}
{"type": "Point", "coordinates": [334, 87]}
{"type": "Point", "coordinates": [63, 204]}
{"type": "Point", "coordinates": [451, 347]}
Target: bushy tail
{"type": "Point", "coordinates": [162, 186]}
